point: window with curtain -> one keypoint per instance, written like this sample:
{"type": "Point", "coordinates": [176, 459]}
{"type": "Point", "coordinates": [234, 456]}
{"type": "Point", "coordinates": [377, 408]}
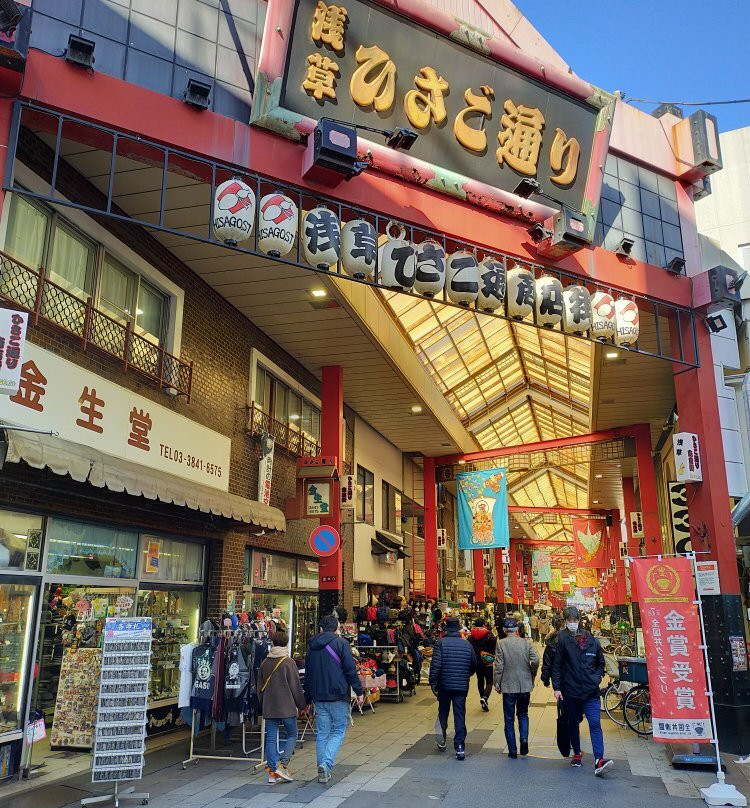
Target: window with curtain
{"type": "Point", "coordinates": [365, 496]}
{"type": "Point", "coordinates": [285, 405]}
{"type": "Point", "coordinates": [391, 508]}
{"type": "Point", "coordinates": [26, 237]}
{"type": "Point", "coordinates": [180, 561]}
{"type": "Point", "coordinates": [79, 548]}
{"type": "Point", "coordinates": [71, 261]}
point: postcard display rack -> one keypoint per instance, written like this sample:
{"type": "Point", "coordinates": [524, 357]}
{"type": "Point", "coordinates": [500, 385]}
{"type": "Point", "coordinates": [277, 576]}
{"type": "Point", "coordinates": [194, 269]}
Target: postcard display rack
{"type": "Point", "coordinates": [119, 742]}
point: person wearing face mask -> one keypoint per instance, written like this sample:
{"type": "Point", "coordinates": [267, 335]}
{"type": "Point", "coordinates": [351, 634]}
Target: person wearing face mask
{"type": "Point", "coordinates": [577, 672]}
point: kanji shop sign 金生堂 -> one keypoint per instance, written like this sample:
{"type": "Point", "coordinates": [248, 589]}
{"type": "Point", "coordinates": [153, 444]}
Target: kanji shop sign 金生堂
{"type": "Point", "coordinates": [85, 408]}
{"type": "Point", "coordinates": [361, 63]}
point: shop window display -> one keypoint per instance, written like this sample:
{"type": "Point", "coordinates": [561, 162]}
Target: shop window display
{"type": "Point", "coordinates": [76, 548]}
{"type": "Point", "coordinates": [171, 560]}
{"type": "Point", "coordinates": [176, 615]}
{"type": "Point", "coordinates": [16, 610]}
{"type": "Point", "coordinates": [20, 541]}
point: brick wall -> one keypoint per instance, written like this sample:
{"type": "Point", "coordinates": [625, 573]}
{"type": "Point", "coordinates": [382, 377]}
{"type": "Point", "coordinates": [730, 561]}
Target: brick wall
{"type": "Point", "coordinates": [218, 339]}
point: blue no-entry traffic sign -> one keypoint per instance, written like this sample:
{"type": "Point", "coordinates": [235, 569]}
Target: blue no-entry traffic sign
{"type": "Point", "coordinates": [325, 541]}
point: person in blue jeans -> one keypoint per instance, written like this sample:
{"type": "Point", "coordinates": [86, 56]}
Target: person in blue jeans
{"type": "Point", "coordinates": [281, 696]}
{"type": "Point", "coordinates": [330, 676]}
{"type": "Point", "coordinates": [577, 673]}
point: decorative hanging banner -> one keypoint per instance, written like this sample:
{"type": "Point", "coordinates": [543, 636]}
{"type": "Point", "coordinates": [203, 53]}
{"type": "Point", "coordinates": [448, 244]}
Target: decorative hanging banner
{"type": "Point", "coordinates": [672, 636]}
{"type": "Point", "coordinates": [541, 567]}
{"type": "Point", "coordinates": [590, 543]}
{"type": "Point", "coordinates": [587, 578]}
{"type": "Point", "coordinates": [482, 509]}
{"type": "Point", "coordinates": [556, 580]}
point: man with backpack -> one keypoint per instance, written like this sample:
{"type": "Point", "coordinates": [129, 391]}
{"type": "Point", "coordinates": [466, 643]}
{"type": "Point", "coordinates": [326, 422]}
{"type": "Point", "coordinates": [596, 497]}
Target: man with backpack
{"type": "Point", "coordinates": [453, 664]}
{"type": "Point", "coordinates": [330, 675]}
{"type": "Point", "coordinates": [484, 643]}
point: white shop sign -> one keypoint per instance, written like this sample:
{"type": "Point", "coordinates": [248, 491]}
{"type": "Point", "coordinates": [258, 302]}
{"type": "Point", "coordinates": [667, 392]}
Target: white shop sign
{"type": "Point", "coordinates": [708, 577]}
{"type": "Point", "coordinates": [12, 343]}
{"type": "Point", "coordinates": [84, 408]}
{"type": "Point", "coordinates": [687, 457]}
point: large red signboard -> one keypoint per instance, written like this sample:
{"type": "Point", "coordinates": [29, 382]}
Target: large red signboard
{"type": "Point", "coordinates": [590, 543]}
{"type": "Point", "coordinates": [672, 635]}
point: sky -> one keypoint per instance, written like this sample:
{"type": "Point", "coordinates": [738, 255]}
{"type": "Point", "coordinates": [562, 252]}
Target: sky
{"type": "Point", "coordinates": [665, 50]}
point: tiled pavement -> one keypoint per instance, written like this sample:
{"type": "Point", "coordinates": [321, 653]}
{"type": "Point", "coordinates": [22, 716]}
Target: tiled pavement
{"type": "Point", "coordinates": [389, 760]}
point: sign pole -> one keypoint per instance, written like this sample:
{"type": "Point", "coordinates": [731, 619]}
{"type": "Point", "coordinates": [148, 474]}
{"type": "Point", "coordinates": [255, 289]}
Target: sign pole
{"type": "Point", "coordinates": [720, 792]}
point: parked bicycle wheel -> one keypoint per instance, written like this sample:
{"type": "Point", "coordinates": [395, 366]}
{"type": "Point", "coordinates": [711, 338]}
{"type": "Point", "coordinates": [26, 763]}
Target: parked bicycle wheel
{"type": "Point", "coordinates": [623, 651]}
{"type": "Point", "coordinates": [637, 710]}
{"type": "Point", "coordinates": [612, 703]}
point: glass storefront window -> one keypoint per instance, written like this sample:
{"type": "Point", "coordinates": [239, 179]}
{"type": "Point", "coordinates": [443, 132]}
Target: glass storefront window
{"type": "Point", "coordinates": [170, 559]}
{"type": "Point", "coordinates": [16, 608]}
{"type": "Point", "coordinates": [176, 615]}
{"type": "Point", "coordinates": [307, 574]}
{"type": "Point", "coordinates": [19, 531]}
{"type": "Point", "coordinates": [273, 571]}
{"type": "Point", "coordinates": [76, 548]}
{"type": "Point", "coordinates": [305, 622]}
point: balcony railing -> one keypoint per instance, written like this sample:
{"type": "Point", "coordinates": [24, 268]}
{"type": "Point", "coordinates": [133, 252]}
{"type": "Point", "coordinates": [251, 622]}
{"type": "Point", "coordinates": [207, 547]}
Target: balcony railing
{"type": "Point", "coordinates": [29, 289]}
{"type": "Point", "coordinates": [295, 442]}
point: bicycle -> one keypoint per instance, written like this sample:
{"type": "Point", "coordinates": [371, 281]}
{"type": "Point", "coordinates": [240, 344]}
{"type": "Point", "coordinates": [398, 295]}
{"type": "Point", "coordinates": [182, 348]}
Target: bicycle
{"type": "Point", "coordinates": [613, 694]}
{"type": "Point", "coordinates": [636, 706]}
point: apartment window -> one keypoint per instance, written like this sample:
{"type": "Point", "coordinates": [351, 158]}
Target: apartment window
{"type": "Point", "coordinates": [642, 205]}
{"type": "Point", "coordinates": [286, 406]}
{"type": "Point", "coordinates": [42, 239]}
{"type": "Point", "coordinates": [391, 505]}
{"type": "Point", "coordinates": [365, 496]}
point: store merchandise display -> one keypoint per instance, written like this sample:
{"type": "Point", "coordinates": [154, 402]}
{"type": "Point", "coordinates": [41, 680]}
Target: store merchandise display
{"type": "Point", "coordinates": [15, 617]}
{"type": "Point", "coordinates": [75, 708]}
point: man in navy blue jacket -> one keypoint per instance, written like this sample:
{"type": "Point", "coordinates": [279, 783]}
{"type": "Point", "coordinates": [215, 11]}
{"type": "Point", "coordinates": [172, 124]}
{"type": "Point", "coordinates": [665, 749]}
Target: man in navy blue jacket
{"type": "Point", "coordinates": [329, 675]}
{"type": "Point", "coordinates": [453, 664]}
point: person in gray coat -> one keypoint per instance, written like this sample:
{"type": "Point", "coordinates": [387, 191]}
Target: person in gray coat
{"type": "Point", "coordinates": [516, 664]}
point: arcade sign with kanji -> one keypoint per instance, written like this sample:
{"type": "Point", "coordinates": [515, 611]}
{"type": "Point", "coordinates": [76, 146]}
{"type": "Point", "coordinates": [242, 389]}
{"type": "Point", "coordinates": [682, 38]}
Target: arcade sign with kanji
{"type": "Point", "coordinates": [481, 123]}
{"type": "Point", "coordinates": [84, 408]}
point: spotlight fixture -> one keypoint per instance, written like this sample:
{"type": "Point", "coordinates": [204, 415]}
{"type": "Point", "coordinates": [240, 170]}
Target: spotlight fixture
{"type": "Point", "coordinates": [675, 266]}
{"type": "Point", "coordinates": [197, 94]}
{"type": "Point", "coordinates": [318, 293]}
{"type": "Point", "coordinates": [526, 187]}
{"type": "Point", "coordinates": [10, 15]}
{"type": "Point", "coordinates": [736, 283]}
{"type": "Point", "coordinates": [611, 355]}
{"type": "Point", "coordinates": [401, 138]}
{"type": "Point", "coordinates": [625, 246]}
{"type": "Point", "coordinates": [538, 232]}
{"type": "Point", "coordinates": [598, 476]}
{"type": "Point", "coordinates": [595, 501]}
{"type": "Point", "coordinates": [80, 51]}
{"type": "Point", "coordinates": [461, 462]}
{"type": "Point", "coordinates": [716, 323]}
{"type": "Point", "coordinates": [416, 409]}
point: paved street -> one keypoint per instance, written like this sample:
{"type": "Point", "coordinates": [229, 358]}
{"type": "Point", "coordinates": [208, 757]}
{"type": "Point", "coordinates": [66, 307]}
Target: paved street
{"type": "Point", "coordinates": [389, 759]}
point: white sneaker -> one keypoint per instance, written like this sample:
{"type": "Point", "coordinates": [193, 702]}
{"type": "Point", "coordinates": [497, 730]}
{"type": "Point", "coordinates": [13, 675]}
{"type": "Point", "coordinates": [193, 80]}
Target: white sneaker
{"type": "Point", "coordinates": [283, 773]}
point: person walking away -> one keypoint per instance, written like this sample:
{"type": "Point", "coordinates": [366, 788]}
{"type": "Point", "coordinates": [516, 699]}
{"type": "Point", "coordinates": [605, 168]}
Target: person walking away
{"type": "Point", "coordinates": [484, 643]}
{"type": "Point", "coordinates": [544, 627]}
{"type": "Point", "coordinates": [526, 624]}
{"type": "Point", "coordinates": [281, 696]}
{"type": "Point", "coordinates": [329, 675]}
{"type": "Point", "coordinates": [453, 664]}
{"type": "Point", "coordinates": [577, 672]}
{"type": "Point", "coordinates": [516, 664]}
{"type": "Point", "coordinates": [596, 624]}
{"type": "Point", "coordinates": [534, 624]}
{"type": "Point", "coordinates": [550, 648]}
{"type": "Point", "coordinates": [410, 641]}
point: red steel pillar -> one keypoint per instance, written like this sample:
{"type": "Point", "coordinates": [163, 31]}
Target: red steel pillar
{"type": "Point", "coordinates": [477, 557]}
{"type": "Point", "coordinates": [330, 573]}
{"type": "Point", "coordinates": [647, 489]}
{"type": "Point", "coordinates": [712, 530]}
{"type": "Point", "coordinates": [430, 530]}
{"type": "Point", "coordinates": [513, 572]}
{"type": "Point", "coordinates": [620, 587]}
{"type": "Point", "coordinates": [634, 548]}
{"type": "Point", "coordinates": [499, 578]}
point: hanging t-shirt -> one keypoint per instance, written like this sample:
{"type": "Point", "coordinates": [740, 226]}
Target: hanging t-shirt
{"type": "Point", "coordinates": [236, 680]}
{"type": "Point", "coordinates": [201, 693]}
{"type": "Point", "coordinates": [186, 674]}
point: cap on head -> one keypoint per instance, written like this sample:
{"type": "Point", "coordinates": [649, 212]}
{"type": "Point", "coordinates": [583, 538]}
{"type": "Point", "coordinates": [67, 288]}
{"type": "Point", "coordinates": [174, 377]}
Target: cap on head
{"type": "Point", "coordinates": [452, 623]}
{"type": "Point", "coordinates": [510, 624]}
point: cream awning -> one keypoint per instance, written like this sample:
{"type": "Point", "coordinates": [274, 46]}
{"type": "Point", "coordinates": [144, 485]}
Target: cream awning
{"type": "Point", "coordinates": [85, 464]}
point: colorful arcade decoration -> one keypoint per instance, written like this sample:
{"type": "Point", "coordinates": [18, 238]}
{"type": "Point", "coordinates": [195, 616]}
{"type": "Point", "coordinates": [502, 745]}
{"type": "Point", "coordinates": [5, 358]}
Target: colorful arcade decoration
{"type": "Point", "coordinates": [590, 543]}
{"type": "Point", "coordinates": [587, 578]}
{"type": "Point", "coordinates": [556, 580]}
{"type": "Point", "coordinates": [541, 567]}
{"type": "Point", "coordinates": [482, 509]}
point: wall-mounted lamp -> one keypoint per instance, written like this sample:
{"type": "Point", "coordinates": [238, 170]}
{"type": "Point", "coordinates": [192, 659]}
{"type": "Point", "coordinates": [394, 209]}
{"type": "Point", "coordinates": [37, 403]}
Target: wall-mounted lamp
{"type": "Point", "coordinates": [625, 247]}
{"type": "Point", "coordinates": [675, 266]}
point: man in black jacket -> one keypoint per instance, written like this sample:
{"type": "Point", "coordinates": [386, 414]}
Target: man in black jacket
{"type": "Point", "coordinates": [329, 675]}
{"type": "Point", "coordinates": [484, 643]}
{"type": "Point", "coordinates": [577, 672]}
{"type": "Point", "coordinates": [453, 664]}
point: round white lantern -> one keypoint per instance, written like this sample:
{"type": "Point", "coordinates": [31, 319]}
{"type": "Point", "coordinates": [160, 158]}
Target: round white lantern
{"type": "Point", "coordinates": [430, 277]}
{"type": "Point", "coordinates": [627, 321]}
{"type": "Point", "coordinates": [548, 301]}
{"type": "Point", "coordinates": [462, 277]}
{"type": "Point", "coordinates": [398, 261]}
{"type": "Point", "coordinates": [359, 248]}
{"type": "Point", "coordinates": [321, 238]}
{"type": "Point", "coordinates": [491, 285]}
{"type": "Point", "coordinates": [520, 295]}
{"type": "Point", "coordinates": [576, 310]}
{"type": "Point", "coordinates": [234, 211]}
{"type": "Point", "coordinates": [277, 224]}
{"type": "Point", "coordinates": [602, 316]}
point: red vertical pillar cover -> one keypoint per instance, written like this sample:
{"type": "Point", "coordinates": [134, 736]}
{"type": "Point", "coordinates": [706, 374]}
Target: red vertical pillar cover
{"type": "Point", "coordinates": [499, 581]}
{"type": "Point", "coordinates": [628, 499]}
{"type": "Point", "coordinates": [430, 529]}
{"type": "Point", "coordinates": [332, 445]}
{"type": "Point", "coordinates": [647, 490]}
{"type": "Point", "coordinates": [513, 572]}
{"type": "Point", "coordinates": [478, 561]}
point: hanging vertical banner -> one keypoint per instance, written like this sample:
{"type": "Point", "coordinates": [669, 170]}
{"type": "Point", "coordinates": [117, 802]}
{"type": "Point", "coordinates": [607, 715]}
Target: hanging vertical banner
{"type": "Point", "coordinates": [590, 543]}
{"type": "Point", "coordinates": [636, 524]}
{"type": "Point", "coordinates": [265, 468]}
{"type": "Point", "coordinates": [556, 580]}
{"type": "Point", "coordinates": [678, 512]}
{"type": "Point", "coordinates": [541, 566]}
{"type": "Point", "coordinates": [482, 509]}
{"type": "Point", "coordinates": [587, 578]}
{"type": "Point", "coordinates": [687, 457]}
{"type": "Point", "coordinates": [12, 340]}
{"type": "Point", "coordinates": [672, 635]}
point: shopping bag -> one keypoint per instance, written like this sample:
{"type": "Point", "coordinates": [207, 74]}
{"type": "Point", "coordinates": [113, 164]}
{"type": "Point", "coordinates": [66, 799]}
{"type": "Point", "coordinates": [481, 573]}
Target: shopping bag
{"type": "Point", "coordinates": [563, 739]}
